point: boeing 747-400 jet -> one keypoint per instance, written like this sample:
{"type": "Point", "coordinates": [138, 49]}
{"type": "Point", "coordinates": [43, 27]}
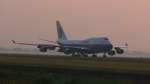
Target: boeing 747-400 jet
{"type": "Point", "coordinates": [85, 47]}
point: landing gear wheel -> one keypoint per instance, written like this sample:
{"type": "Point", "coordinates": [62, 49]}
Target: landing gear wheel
{"type": "Point", "coordinates": [75, 54]}
{"type": "Point", "coordinates": [94, 55]}
{"type": "Point", "coordinates": [85, 55]}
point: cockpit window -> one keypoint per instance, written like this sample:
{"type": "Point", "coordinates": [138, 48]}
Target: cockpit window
{"type": "Point", "coordinates": [106, 39]}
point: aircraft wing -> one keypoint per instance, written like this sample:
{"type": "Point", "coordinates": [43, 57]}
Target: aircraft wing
{"type": "Point", "coordinates": [14, 42]}
{"type": "Point", "coordinates": [50, 46]}
{"type": "Point", "coordinates": [32, 44]}
{"type": "Point", "coordinates": [55, 42]}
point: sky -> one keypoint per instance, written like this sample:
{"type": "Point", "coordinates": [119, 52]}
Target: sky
{"type": "Point", "coordinates": [120, 20]}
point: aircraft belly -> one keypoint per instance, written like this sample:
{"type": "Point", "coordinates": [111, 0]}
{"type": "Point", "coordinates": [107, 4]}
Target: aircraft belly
{"type": "Point", "coordinates": [100, 48]}
{"type": "Point", "coordinates": [93, 48]}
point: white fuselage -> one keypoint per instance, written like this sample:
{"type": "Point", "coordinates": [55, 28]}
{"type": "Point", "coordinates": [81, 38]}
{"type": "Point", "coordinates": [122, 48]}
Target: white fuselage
{"type": "Point", "coordinates": [101, 44]}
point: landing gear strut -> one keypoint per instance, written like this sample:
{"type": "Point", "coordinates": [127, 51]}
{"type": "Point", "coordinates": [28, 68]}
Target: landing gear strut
{"type": "Point", "coordinates": [74, 54]}
{"type": "Point", "coordinates": [84, 54]}
{"type": "Point", "coordinates": [104, 55]}
{"type": "Point", "coordinates": [94, 55]}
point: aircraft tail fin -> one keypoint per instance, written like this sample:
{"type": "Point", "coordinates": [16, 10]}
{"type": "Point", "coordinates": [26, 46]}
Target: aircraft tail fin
{"type": "Point", "coordinates": [60, 31]}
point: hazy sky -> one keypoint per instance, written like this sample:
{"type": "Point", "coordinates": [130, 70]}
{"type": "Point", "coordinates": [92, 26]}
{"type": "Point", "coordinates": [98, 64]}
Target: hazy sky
{"type": "Point", "coordinates": [120, 20]}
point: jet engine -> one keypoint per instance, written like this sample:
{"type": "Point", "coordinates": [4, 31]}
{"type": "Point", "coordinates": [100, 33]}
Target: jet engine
{"type": "Point", "coordinates": [119, 50]}
{"type": "Point", "coordinates": [44, 48]}
{"type": "Point", "coordinates": [111, 53]}
{"type": "Point", "coordinates": [65, 50]}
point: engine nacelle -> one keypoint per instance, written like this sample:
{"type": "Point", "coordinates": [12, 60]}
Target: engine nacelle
{"type": "Point", "coordinates": [119, 50]}
{"type": "Point", "coordinates": [51, 48]}
{"type": "Point", "coordinates": [61, 50]}
{"type": "Point", "coordinates": [111, 53]}
{"type": "Point", "coordinates": [65, 50]}
{"type": "Point", "coordinates": [44, 48]}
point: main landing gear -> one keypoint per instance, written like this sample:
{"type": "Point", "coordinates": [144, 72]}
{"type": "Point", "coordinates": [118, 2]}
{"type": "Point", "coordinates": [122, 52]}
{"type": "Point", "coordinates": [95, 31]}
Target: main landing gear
{"type": "Point", "coordinates": [77, 54]}
{"type": "Point", "coordinates": [104, 55]}
{"type": "Point", "coordinates": [94, 55]}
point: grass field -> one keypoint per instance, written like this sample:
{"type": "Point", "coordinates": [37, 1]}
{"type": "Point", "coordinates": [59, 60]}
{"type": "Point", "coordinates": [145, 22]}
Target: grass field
{"type": "Point", "coordinates": [116, 70]}
{"type": "Point", "coordinates": [129, 65]}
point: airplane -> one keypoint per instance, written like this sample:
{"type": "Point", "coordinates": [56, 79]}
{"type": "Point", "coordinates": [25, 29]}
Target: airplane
{"type": "Point", "coordinates": [85, 47]}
